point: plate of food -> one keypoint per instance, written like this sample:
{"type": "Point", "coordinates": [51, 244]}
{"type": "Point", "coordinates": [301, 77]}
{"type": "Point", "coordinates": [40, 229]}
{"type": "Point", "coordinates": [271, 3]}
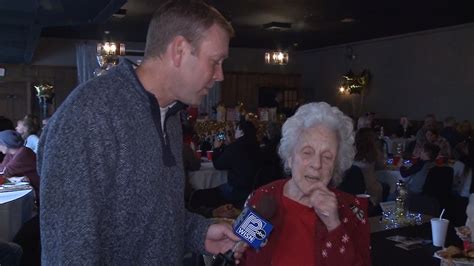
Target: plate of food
{"type": "Point", "coordinates": [464, 233]}
{"type": "Point", "coordinates": [226, 211]}
{"type": "Point", "coordinates": [453, 255]}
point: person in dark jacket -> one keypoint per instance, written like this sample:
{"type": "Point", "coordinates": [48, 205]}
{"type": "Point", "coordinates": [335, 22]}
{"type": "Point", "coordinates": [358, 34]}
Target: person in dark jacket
{"type": "Point", "coordinates": [272, 166]}
{"type": "Point", "coordinates": [450, 133]}
{"type": "Point", "coordinates": [242, 161]}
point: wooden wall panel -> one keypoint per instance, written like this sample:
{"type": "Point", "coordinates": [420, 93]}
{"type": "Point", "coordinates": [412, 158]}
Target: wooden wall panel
{"type": "Point", "coordinates": [239, 86]}
{"type": "Point", "coordinates": [16, 87]}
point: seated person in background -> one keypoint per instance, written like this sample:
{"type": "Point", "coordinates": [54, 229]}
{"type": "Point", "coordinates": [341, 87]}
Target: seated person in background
{"type": "Point", "coordinates": [5, 124]}
{"type": "Point", "coordinates": [190, 161]}
{"type": "Point", "coordinates": [367, 156]}
{"type": "Point", "coordinates": [29, 129]}
{"type": "Point", "coordinates": [272, 167]}
{"type": "Point", "coordinates": [465, 129]}
{"type": "Point", "coordinates": [205, 144]}
{"type": "Point", "coordinates": [450, 133]}
{"type": "Point", "coordinates": [429, 123]}
{"type": "Point", "coordinates": [315, 224]}
{"type": "Point", "coordinates": [241, 159]}
{"type": "Point", "coordinates": [432, 136]}
{"type": "Point", "coordinates": [415, 175]}
{"type": "Point", "coordinates": [404, 129]}
{"type": "Point", "coordinates": [462, 182]}
{"type": "Point", "coordinates": [19, 160]}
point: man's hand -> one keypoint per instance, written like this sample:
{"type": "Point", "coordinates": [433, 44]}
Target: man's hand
{"type": "Point", "coordinates": [220, 238]}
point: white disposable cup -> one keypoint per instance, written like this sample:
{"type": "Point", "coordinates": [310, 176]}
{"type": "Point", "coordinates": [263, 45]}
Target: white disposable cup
{"type": "Point", "coordinates": [439, 227]}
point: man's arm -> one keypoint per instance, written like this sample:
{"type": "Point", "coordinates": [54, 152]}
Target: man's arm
{"type": "Point", "coordinates": [196, 230]}
{"type": "Point", "coordinates": [76, 156]}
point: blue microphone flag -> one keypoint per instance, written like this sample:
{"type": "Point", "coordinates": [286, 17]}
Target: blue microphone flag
{"type": "Point", "coordinates": [252, 228]}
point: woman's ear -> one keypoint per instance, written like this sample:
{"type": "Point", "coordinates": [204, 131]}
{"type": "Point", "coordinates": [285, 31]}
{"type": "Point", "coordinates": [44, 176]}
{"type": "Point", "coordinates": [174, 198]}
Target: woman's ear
{"type": "Point", "coordinates": [290, 162]}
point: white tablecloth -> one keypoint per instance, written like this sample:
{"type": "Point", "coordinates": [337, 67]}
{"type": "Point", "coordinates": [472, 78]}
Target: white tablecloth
{"type": "Point", "coordinates": [15, 208]}
{"type": "Point", "coordinates": [389, 177]}
{"type": "Point", "coordinates": [207, 177]}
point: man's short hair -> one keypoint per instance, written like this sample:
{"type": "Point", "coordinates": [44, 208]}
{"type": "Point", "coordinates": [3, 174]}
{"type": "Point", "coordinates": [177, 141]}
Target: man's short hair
{"type": "Point", "coordinates": [187, 18]}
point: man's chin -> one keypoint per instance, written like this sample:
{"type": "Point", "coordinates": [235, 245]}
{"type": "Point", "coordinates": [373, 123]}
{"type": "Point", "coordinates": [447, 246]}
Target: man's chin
{"type": "Point", "coordinates": [194, 102]}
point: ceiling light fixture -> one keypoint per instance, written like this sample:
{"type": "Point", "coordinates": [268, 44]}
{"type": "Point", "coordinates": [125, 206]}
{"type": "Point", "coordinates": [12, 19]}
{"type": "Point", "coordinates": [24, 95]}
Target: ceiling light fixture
{"type": "Point", "coordinates": [348, 20]}
{"type": "Point", "coordinates": [108, 53]}
{"type": "Point", "coordinates": [276, 58]}
{"type": "Point", "coordinates": [277, 26]}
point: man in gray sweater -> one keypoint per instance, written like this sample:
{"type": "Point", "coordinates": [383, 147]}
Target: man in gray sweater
{"type": "Point", "coordinates": [110, 159]}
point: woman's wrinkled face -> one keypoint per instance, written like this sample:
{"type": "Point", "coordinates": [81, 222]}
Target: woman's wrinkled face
{"type": "Point", "coordinates": [314, 158]}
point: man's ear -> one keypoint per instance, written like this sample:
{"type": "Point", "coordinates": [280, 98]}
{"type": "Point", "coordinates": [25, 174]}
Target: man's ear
{"type": "Point", "coordinates": [177, 48]}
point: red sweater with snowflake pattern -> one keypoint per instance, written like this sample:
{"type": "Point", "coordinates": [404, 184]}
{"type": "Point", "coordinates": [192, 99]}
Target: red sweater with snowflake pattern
{"type": "Point", "coordinates": [300, 238]}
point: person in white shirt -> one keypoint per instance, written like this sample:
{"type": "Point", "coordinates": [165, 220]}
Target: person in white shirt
{"type": "Point", "coordinates": [29, 128]}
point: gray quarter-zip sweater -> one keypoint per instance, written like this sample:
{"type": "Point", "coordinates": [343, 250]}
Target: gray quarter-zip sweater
{"type": "Point", "coordinates": [112, 183]}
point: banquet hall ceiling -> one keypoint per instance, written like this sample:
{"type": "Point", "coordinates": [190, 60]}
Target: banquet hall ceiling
{"type": "Point", "coordinates": [312, 23]}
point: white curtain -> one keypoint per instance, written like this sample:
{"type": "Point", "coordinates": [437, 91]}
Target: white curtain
{"type": "Point", "coordinates": [211, 100]}
{"type": "Point", "coordinates": [86, 60]}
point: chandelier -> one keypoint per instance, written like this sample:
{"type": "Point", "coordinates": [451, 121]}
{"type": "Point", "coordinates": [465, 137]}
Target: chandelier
{"type": "Point", "coordinates": [276, 58]}
{"type": "Point", "coordinates": [354, 83]}
{"type": "Point", "coordinates": [108, 53]}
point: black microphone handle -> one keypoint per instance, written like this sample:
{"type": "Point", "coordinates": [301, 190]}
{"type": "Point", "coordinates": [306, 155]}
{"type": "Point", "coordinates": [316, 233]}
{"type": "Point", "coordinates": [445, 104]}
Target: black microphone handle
{"type": "Point", "coordinates": [226, 259]}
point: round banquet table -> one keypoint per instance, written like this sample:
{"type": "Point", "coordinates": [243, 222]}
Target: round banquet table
{"type": "Point", "coordinates": [16, 207]}
{"type": "Point", "coordinates": [390, 177]}
{"type": "Point", "coordinates": [207, 176]}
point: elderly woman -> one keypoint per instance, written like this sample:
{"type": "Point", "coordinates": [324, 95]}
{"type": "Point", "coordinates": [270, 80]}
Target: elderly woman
{"type": "Point", "coordinates": [19, 160]}
{"type": "Point", "coordinates": [314, 223]}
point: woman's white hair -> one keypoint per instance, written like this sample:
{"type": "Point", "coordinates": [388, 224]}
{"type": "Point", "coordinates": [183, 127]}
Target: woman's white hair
{"type": "Point", "coordinates": [314, 114]}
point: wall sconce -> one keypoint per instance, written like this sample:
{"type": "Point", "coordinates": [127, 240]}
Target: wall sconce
{"type": "Point", "coordinates": [276, 58]}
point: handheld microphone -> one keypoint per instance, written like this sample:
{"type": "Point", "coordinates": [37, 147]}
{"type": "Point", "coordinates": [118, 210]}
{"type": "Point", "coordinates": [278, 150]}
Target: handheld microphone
{"type": "Point", "coordinates": [252, 226]}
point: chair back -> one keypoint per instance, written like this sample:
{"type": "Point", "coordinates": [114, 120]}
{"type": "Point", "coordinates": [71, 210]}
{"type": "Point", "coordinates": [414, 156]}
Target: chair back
{"type": "Point", "coordinates": [353, 182]}
{"type": "Point", "coordinates": [439, 181]}
{"type": "Point", "coordinates": [438, 185]}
